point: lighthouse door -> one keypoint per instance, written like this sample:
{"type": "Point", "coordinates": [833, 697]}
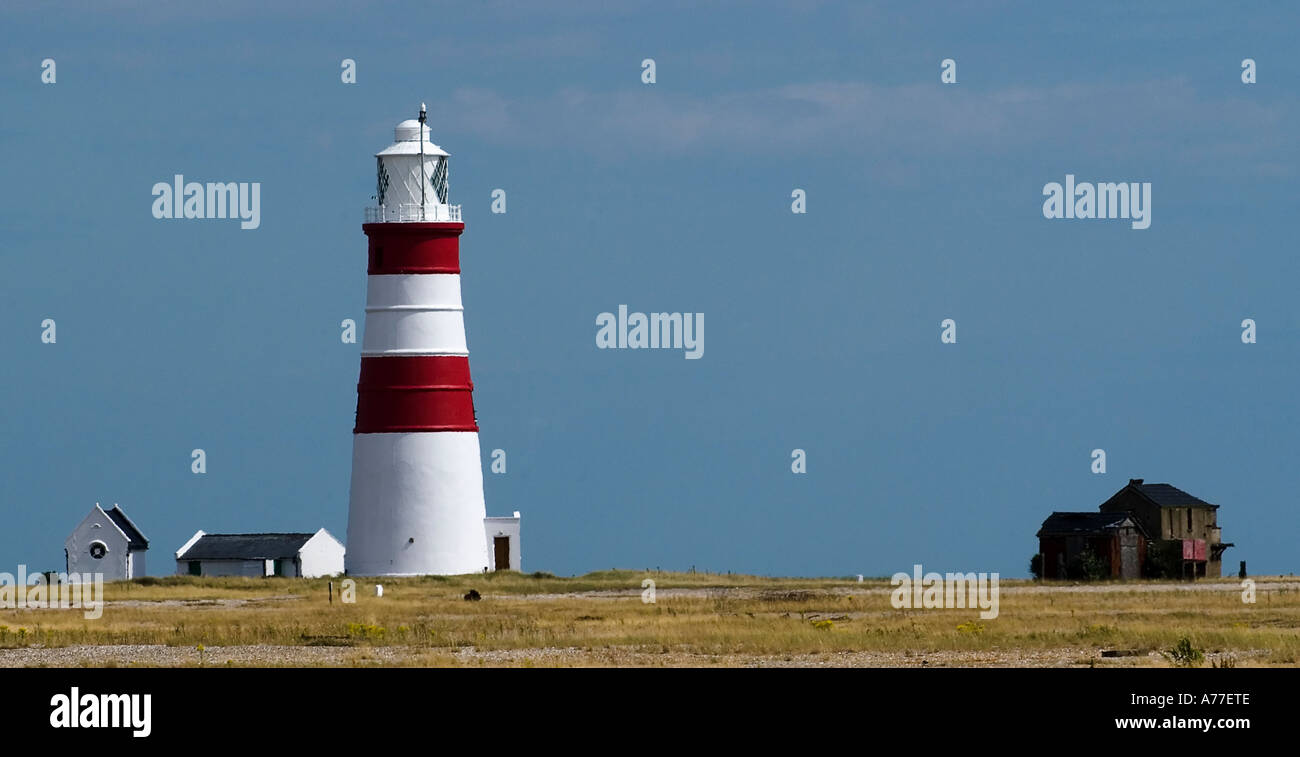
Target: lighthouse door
{"type": "Point", "coordinates": [501, 548]}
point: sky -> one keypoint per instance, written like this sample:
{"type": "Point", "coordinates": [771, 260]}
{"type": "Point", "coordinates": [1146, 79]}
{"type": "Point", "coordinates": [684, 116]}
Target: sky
{"type": "Point", "coordinates": [924, 202]}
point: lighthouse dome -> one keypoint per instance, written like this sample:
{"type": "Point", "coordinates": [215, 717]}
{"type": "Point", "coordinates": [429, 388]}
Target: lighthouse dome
{"type": "Point", "coordinates": [406, 141]}
{"type": "Point", "coordinates": [408, 131]}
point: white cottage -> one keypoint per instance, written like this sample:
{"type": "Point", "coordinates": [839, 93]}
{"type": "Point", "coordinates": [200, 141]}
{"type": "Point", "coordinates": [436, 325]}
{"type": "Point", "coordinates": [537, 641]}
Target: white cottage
{"type": "Point", "coordinates": [107, 542]}
{"type": "Point", "coordinates": [292, 555]}
{"type": "Point", "coordinates": [504, 549]}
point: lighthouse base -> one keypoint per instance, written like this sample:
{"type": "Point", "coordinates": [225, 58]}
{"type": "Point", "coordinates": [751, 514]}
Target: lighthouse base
{"type": "Point", "coordinates": [416, 505]}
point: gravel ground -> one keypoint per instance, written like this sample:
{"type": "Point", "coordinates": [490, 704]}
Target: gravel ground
{"type": "Point", "coordinates": [125, 655]}
{"type": "Point", "coordinates": [292, 656]}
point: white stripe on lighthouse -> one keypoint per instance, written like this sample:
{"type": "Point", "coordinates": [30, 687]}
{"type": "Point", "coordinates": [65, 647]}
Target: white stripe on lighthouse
{"type": "Point", "coordinates": [414, 314]}
{"type": "Point", "coordinates": [416, 505]}
{"type": "Point", "coordinates": [439, 290]}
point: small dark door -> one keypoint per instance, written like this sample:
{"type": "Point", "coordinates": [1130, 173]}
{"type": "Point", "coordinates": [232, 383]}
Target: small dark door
{"type": "Point", "coordinates": [279, 567]}
{"type": "Point", "coordinates": [196, 568]}
{"type": "Point", "coordinates": [501, 547]}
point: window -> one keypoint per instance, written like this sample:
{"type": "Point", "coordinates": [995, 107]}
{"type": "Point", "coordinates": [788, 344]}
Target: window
{"type": "Point", "coordinates": [1189, 521]}
{"type": "Point", "coordinates": [439, 179]}
{"type": "Point", "coordinates": [381, 183]}
{"type": "Point", "coordinates": [98, 549]}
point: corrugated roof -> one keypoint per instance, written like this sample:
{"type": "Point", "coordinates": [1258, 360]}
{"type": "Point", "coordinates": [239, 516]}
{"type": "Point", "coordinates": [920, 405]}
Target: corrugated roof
{"type": "Point", "coordinates": [136, 539]}
{"type": "Point", "coordinates": [1063, 523]}
{"type": "Point", "coordinates": [245, 547]}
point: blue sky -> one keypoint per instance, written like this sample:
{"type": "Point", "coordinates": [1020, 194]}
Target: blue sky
{"type": "Point", "coordinates": [924, 203]}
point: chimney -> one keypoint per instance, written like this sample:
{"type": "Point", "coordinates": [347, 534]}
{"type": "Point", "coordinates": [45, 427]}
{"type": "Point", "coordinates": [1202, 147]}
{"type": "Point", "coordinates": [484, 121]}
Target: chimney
{"type": "Point", "coordinates": [1135, 482]}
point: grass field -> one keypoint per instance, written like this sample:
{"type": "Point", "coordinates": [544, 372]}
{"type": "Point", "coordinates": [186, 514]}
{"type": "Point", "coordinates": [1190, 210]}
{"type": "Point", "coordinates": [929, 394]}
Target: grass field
{"type": "Point", "coordinates": [696, 620]}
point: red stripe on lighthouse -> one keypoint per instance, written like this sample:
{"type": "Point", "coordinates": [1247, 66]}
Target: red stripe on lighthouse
{"type": "Point", "coordinates": [424, 393]}
{"type": "Point", "coordinates": [414, 247]}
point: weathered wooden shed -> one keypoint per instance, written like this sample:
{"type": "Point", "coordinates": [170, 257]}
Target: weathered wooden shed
{"type": "Point", "coordinates": [1083, 545]}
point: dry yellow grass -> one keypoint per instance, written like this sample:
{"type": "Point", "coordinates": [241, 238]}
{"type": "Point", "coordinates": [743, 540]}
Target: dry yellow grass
{"type": "Point", "coordinates": [697, 619]}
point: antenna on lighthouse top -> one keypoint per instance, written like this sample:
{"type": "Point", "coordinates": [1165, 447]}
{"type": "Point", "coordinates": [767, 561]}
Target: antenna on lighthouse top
{"type": "Point", "coordinates": [423, 118]}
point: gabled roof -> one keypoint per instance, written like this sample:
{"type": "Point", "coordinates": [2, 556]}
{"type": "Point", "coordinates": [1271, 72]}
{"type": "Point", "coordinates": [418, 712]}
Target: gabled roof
{"type": "Point", "coordinates": [245, 547]}
{"type": "Point", "coordinates": [1084, 523]}
{"type": "Point", "coordinates": [1164, 495]}
{"type": "Point", "coordinates": [135, 539]}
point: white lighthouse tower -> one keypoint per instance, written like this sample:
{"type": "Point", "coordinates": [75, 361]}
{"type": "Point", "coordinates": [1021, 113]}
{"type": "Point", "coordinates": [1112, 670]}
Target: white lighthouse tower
{"type": "Point", "coordinates": [416, 504]}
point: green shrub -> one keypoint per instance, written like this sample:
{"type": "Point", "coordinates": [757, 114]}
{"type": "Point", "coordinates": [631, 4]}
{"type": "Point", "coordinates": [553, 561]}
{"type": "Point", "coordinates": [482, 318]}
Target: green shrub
{"type": "Point", "coordinates": [1088, 566]}
{"type": "Point", "coordinates": [1184, 655]}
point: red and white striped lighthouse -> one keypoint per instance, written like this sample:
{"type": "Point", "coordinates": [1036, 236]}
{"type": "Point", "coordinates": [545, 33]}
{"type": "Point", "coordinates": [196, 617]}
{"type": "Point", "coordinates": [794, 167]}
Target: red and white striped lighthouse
{"type": "Point", "coordinates": [416, 505]}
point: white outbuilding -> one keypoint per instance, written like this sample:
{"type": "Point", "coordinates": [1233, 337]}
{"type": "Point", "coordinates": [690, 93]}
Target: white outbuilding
{"type": "Point", "coordinates": [258, 555]}
{"type": "Point", "coordinates": [505, 552]}
{"type": "Point", "coordinates": [107, 542]}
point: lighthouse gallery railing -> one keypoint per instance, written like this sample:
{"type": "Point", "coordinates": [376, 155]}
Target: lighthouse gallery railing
{"type": "Point", "coordinates": [410, 213]}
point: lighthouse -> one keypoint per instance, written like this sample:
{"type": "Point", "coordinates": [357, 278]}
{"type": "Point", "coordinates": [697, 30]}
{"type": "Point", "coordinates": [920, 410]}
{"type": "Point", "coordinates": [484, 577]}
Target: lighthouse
{"type": "Point", "coordinates": [416, 503]}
